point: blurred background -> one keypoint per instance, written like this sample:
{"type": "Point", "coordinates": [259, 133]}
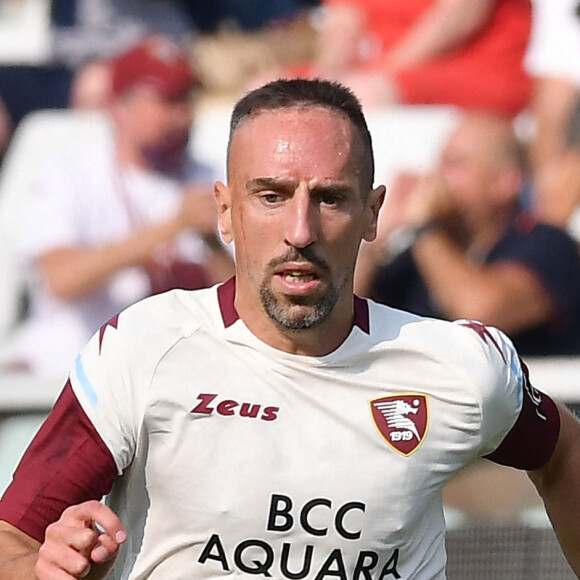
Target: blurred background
{"type": "Point", "coordinates": [84, 132]}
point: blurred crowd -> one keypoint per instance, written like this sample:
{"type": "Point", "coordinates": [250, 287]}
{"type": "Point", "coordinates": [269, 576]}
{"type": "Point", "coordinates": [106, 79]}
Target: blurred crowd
{"type": "Point", "coordinates": [491, 233]}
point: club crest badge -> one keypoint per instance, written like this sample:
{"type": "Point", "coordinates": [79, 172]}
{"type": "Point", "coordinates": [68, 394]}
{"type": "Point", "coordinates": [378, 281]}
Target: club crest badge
{"type": "Point", "coordinates": [402, 420]}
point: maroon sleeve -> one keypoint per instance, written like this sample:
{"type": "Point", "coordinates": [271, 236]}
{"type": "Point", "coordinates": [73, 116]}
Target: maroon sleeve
{"type": "Point", "coordinates": [532, 439]}
{"type": "Point", "coordinates": [66, 463]}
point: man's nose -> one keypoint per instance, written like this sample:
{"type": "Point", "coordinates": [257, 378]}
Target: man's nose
{"type": "Point", "coordinates": [302, 219]}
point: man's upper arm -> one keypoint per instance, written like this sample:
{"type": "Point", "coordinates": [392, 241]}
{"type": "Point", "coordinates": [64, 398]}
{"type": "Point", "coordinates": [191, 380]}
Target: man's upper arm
{"type": "Point", "coordinates": [66, 463]}
{"type": "Point", "coordinates": [519, 424]}
{"type": "Point", "coordinates": [533, 438]}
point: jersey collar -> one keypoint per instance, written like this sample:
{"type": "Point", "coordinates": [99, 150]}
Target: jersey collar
{"type": "Point", "coordinates": [227, 292]}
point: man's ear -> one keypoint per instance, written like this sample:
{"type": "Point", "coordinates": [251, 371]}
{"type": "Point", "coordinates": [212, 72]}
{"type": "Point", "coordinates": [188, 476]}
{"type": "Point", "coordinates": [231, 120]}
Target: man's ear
{"type": "Point", "coordinates": [374, 202]}
{"type": "Point", "coordinates": [223, 200]}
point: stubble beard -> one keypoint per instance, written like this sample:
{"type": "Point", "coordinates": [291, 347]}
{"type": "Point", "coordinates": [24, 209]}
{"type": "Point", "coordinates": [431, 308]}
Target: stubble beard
{"type": "Point", "coordinates": [296, 315]}
{"type": "Point", "coordinates": [300, 313]}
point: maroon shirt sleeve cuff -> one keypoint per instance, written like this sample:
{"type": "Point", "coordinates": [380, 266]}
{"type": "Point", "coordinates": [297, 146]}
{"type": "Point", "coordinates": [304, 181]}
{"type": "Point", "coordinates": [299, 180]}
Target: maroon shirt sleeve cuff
{"type": "Point", "coordinates": [532, 439]}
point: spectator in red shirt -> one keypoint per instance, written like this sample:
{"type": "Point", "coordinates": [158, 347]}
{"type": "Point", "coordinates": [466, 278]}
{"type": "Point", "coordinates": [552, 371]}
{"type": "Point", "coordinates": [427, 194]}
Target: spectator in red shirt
{"type": "Point", "coordinates": [468, 54]}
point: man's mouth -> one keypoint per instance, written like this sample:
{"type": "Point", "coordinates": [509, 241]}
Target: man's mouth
{"type": "Point", "coordinates": [298, 280]}
{"type": "Point", "coordinates": [298, 276]}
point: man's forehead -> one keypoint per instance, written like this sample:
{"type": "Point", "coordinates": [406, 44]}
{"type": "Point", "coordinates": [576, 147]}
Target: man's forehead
{"type": "Point", "coordinates": [293, 143]}
{"type": "Point", "coordinates": [306, 117]}
{"type": "Point", "coordinates": [310, 141]}
{"type": "Point", "coordinates": [298, 130]}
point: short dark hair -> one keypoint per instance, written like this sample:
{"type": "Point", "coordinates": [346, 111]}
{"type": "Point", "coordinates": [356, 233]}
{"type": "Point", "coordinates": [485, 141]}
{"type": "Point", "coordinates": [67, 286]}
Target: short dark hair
{"type": "Point", "coordinates": [287, 93]}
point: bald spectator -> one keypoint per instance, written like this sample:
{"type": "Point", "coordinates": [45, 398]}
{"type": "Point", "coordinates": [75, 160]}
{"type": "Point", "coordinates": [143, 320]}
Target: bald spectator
{"type": "Point", "coordinates": [473, 252]}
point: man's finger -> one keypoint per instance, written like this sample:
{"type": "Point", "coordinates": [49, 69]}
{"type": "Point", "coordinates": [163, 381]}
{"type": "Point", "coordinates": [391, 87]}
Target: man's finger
{"type": "Point", "coordinates": [95, 513]}
{"type": "Point", "coordinates": [106, 549]}
{"type": "Point", "coordinates": [60, 562]}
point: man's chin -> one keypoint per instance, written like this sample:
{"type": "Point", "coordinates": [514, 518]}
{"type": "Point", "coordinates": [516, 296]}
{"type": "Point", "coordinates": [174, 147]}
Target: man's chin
{"type": "Point", "coordinates": [297, 312]}
{"type": "Point", "coordinates": [304, 300]}
{"type": "Point", "coordinates": [297, 322]}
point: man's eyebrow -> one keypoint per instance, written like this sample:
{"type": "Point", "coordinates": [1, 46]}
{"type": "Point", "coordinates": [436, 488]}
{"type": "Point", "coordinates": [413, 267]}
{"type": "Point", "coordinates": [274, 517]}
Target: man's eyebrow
{"type": "Point", "coordinates": [335, 188]}
{"type": "Point", "coordinates": [282, 183]}
{"type": "Point", "coordinates": [259, 183]}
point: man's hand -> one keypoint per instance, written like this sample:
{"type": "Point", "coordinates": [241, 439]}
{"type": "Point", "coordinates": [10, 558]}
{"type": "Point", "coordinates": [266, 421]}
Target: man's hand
{"type": "Point", "coordinates": [415, 199]}
{"type": "Point", "coordinates": [429, 200]}
{"type": "Point", "coordinates": [87, 533]}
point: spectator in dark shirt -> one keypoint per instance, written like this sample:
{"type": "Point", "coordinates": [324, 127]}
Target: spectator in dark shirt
{"type": "Point", "coordinates": [473, 252]}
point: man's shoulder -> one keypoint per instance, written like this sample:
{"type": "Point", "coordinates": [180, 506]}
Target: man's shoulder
{"type": "Point", "coordinates": [155, 323]}
{"type": "Point", "coordinates": [461, 344]}
{"type": "Point", "coordinates": [175, 308]}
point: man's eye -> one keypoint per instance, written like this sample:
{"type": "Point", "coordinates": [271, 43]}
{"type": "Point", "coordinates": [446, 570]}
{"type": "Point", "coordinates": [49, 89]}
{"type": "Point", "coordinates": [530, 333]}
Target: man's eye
{"type": "Point", "coordinates": [330, 199]}
{"type": "Point", "coordinates": [270, 197]}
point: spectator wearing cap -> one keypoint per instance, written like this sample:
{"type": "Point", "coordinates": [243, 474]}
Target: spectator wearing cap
{"type": "Point", "coordinates": [120, 219]}
{"type": "Point", "coordinates": [63, 66]}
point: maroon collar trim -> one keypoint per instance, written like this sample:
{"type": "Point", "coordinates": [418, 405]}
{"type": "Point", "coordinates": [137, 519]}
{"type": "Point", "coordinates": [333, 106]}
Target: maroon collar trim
{"type": "Point", "coordinates": [226, 295]}
{"type": "Point", "coordinates": [361, 314]}
{"type": "Point", "coordinates": [227, 292]}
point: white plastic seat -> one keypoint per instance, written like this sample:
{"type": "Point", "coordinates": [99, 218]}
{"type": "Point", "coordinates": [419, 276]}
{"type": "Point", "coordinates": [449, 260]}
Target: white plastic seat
{"type": "Point", "coordinates": [39, 134]}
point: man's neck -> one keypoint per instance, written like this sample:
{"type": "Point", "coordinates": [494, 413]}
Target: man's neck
{"type": "Point", "coordinates": [319, 341]}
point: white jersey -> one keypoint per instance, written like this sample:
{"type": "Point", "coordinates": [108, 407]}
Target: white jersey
{"type": "Point", "coordinates": [240, 460]}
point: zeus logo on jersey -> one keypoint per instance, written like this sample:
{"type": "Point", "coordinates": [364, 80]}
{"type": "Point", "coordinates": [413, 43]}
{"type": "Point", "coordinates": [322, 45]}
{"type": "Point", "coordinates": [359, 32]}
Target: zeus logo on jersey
{"type": "Point", "coordinates": [402, 420]}
{"type": "Point", "coordinates": [228, 407]}
{"type": "Point", "coordinates": [318, 517]}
